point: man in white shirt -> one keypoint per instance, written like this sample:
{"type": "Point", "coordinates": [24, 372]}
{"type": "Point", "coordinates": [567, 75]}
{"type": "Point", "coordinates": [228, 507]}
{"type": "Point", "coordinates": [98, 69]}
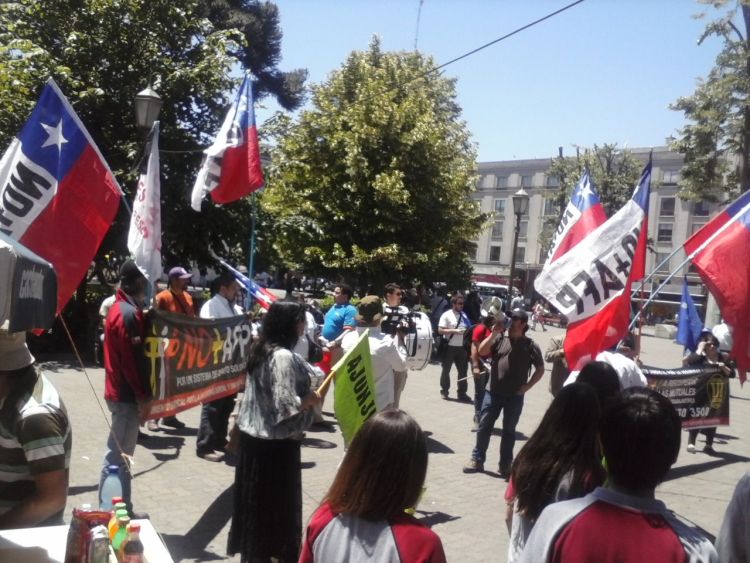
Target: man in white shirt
{"type": "Point", "coordinates": [212, 431]}
{"type": "Point", "coordinates": [453, 323]}
{"type": "Point", "coordinates": [393, 307]}
{"type": "Point", "coordinates": [388, 353]}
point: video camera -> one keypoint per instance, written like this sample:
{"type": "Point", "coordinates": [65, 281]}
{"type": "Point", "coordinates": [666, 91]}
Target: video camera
{"type": "Point", "coordinates": [397, 320]}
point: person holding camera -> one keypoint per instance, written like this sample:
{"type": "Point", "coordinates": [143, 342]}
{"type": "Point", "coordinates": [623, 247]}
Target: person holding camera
{"type": "Point", "coordinates": [392, 308]}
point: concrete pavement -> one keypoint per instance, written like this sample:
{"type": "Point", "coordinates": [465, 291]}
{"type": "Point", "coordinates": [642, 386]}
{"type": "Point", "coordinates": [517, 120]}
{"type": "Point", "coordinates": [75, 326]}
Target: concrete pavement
{"type": "Point", "coordinates": [189, 500]}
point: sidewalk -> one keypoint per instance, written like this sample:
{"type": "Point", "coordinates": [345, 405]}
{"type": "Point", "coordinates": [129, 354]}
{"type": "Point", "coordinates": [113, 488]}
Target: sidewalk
{"type": "Point", "coordinates": [189, 500]}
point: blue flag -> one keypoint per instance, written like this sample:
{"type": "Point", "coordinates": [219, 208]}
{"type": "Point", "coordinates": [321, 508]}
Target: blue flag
{"type": "Point", "coordinates": [690, 325]}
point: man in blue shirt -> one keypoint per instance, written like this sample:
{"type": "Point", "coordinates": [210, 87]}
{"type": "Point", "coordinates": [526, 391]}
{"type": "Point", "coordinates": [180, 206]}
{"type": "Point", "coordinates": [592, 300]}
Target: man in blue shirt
{"type": "Point", "coordinates": [338, 319]}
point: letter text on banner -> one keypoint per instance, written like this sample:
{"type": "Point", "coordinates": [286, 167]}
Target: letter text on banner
{"type": "Point", "coordinates": [354, 391]}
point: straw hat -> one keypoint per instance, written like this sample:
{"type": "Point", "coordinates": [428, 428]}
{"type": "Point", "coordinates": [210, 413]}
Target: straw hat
{"type": "Point", "coordinates": [14, 354]}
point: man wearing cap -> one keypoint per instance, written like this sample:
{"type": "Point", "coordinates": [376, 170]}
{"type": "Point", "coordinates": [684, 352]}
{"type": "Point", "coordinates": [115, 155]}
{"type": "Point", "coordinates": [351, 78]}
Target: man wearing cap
{"type": "Point", "coordinates": [388, 353]}
{"type": "Point", "coordinates": [212, 432]}
{"type": "Point", "coordinates": [126, 385]}
{"type": "Point", "coordinates": [36, 441]}
{"type": "Point", "coordinates": [174, 299]}
{"type": "Point", "coordinates": [512, 359]}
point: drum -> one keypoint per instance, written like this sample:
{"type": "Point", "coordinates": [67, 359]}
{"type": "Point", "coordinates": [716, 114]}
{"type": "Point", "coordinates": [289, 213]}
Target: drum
{"type": "Point", "coordinates": [419, 343]}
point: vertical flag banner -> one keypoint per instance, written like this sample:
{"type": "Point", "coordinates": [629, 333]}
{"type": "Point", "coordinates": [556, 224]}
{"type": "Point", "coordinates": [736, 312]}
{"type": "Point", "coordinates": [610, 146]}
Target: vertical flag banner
{"type": "Point", "coordinates": [590, 284]}
{"type": "Point", "coordinates": [144, 236]}
{"type": "Point", "coordinates": [583, 214]}
{"type": "Point", "coordinates": [690, 325]}
{"type": "Point", "coordinates": [722, 262]}
{"type": "Point", "coordinates": [58, 197]}
{"type": "Point", "coordinates": [260, 294]}
{"type": "Point", "coordinates": [231, 166]}
{"type": "Point", "coordinates": [354, 391]}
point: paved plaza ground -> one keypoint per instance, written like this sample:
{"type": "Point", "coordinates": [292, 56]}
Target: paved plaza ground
{"type": "Point", "coordinates": [189, 500]}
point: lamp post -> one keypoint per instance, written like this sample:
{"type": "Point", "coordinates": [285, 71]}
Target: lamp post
{"type": "Point", "coordinates": [147, 107]}
{"type": "Point", "coordinates": [520, 207]}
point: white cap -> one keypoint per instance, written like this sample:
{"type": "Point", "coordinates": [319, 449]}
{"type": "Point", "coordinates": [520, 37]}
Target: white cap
{"type": "Point", "coordinates": [14, 354]}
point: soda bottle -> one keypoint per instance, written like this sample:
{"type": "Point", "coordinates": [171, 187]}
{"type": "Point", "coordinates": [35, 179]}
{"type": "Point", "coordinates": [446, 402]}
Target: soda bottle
{"type": "Point", "coordinates": [113, 525]}
{"type": "Point", "coordinates": [111, 487]}
{"type": "Point", "coordinates": [121, 534]}
{"type": "Point", "coordinates": [132, 550]}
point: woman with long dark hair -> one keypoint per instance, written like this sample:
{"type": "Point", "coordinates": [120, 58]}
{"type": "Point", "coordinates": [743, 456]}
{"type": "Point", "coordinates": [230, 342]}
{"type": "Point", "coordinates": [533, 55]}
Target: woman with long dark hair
{"type": "Point", "coordinates": [275, 410]}
{"type": "Point", "coordinates": [362, 517]}
{"type": "Point", "coordinates": [560, 461]}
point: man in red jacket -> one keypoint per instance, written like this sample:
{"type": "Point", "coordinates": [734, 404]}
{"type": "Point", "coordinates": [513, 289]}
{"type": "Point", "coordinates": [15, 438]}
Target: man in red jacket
{"type": "Point", "coordinates": [126, 385]}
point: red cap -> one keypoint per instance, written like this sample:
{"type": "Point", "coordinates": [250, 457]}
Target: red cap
{"type": "Point", "coordinates": [134, 527]}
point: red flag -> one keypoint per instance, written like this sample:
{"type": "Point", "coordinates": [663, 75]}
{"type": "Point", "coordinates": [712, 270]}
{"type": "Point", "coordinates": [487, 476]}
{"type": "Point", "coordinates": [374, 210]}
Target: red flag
{"type": "Point", "coordinates": [58, 197]}
{"type": "Point", "coordinates": [231, 167]}
{"type": "Point", "coordinates": [721, 260]}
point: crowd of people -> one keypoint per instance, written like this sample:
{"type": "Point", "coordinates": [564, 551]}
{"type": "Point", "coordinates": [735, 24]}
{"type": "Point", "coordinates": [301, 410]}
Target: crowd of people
{"type": "Point", "coordinates": [592, 465]}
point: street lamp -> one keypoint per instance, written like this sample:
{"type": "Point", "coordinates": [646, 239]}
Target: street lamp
{"type": "Point", "coordinates": [147, 107]}
{"type": "Point", "coordinates": [520, 207]}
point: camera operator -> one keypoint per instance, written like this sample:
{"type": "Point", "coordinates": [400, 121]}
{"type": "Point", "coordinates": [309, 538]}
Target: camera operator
{"type": "Point", "coordinates": [396, 321]}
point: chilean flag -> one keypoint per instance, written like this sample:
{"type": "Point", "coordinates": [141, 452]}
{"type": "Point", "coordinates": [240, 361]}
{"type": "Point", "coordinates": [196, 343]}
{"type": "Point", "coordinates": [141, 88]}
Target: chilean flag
{"type": "Point", "coordinates": [231, 166]}
{"type": "Point", "coordinates": [58, 197]}
{"type": "Point", "coordinates": [264, 297]}
{"type": "Point", "coordinates": [720, 252]}
{"type": "Point", "coordinates": [583, 214]}
{"type": "Point", "coordinates": [591, 283]}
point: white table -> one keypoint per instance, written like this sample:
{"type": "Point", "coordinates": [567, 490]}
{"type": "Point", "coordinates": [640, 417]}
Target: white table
{"type": "Point", "coordinates": [47, 544]}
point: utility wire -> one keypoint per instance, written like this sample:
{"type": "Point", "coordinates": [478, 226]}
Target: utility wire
{"type": "Point", "coordinates": [445, 64]}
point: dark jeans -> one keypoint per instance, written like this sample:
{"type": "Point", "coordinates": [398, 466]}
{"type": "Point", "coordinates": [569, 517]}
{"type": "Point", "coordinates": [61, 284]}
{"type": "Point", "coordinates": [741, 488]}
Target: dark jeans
{"type": "Point", "coordinates": [710, 433]}
{"type": "Point", "coordinates": [480, 382]}
{"type": "Point", "coordinates": [212, 432]}
{"type": "Point", "coordinates": [455, 355]}
{"type": "Point", "coordinates": [511, 406]}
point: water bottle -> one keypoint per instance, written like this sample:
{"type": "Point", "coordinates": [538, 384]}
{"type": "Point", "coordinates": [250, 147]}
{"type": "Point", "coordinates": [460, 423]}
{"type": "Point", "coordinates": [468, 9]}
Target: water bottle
{"type": "Point", "coordinates": [111, 487]}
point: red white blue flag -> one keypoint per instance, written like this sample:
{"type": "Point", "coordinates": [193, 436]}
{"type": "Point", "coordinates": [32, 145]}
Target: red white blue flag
{"type": "Point", "coordinates": [590, 284]}
{"type": "Point", "coordinates": [58, 197]}
{"type": "Point", "coordinates": [720, 252]}
{"type": "Point", "coordinates": [583, 214]}
{"type": "Point", "coordinates": [264, 297]}
{"type": "Point", "coordinates": [231, 166]}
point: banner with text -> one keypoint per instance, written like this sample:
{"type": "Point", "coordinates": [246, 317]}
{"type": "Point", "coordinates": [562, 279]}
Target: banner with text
{"type": "Point", "coordinates": [192, 360]}
{"type": "Point", "coordinates": [354, 391]}
{"type": "Point", "coordinates": [699, 394]}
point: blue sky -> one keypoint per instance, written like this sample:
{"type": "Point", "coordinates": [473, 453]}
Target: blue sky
{"type": "Point", "coordinates": [603, 71]}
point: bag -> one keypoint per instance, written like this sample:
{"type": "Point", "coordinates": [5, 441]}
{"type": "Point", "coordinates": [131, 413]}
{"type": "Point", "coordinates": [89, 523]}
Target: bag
{"type": "Point", "coordinates": [314, 351]}
{"type": "Point", "coordinates": [468, 336]}
{"type": "Point", "coordinates": [442, 349]}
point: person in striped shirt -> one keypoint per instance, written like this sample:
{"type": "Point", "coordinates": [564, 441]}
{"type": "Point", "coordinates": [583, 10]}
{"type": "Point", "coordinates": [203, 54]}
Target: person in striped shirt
{"type": "Point", "coordinates": [35, 440]}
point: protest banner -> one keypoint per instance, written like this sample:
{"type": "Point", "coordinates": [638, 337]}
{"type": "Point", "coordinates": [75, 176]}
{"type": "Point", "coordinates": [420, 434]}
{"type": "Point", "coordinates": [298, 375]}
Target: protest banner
{"type": "Point", "coordinates": [700, 394]}
{"type": "Point", "coordinates": [192, 360]}
{"type": "Point", "coordinates": [354, 394]}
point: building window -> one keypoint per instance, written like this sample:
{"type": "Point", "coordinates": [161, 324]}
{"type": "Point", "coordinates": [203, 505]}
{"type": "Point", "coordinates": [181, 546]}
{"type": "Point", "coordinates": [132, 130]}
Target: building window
{"type": "Point", "coordinates": [666, 207]}
{"type": "Point", "coordinates": [497, 230]}
{"type": "Point", "coordinates": [551, 207]}
{"type": "Point", "coordinates": [472, 252]}
{"type": "Point", "coordinates": [500, 207]}
{"type": "Point", "coordinates": [526, 180]}
{"type": "Point", "coordinates": [523, 229]}
{"type": "Point", "coordinates": [502, 182]}
{"type": "Point", "coordinates": [658, 259]}
{"type": "Point", "coordinates": [543, 255]}
{"type": "Point", "coordinates": [520, 255]}
{"type": "Point", "coordinates": [553, 182]}
{"type": "Point", "coordinates": [664, 233]}
{"type": "Point", "coordinates": [487, 182]}
{"type": "Point", "coordinates": [494, 254]}
{"type": "Point", "coordinates": [695, 226]}
{"type": "Point", "coordinates": [670, 177]}
{"type": "Point", "coordinates": [700, 209]}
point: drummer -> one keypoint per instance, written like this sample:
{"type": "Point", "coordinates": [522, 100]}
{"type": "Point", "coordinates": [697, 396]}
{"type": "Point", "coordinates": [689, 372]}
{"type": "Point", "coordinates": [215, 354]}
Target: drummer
{"type": "Point", "coordinates": [388, 353]}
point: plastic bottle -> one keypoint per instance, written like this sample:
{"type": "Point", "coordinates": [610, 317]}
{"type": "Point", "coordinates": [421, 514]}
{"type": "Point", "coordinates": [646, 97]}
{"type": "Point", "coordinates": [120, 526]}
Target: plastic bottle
{"type": "Point", "coordinates": [111, 487]}
{"type": "Point", "coordinates": [121, 534]}
{"type": "Point", "coordinates": [112, 526]}
{"type": "Point", "coordinates": [132, 550]}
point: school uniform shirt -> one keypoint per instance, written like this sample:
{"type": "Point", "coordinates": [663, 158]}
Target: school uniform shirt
{"type": "Point", "coordinates": [344, 537]}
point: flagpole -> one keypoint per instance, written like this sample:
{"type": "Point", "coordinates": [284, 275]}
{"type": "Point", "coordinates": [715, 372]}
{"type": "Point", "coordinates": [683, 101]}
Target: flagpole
{"type": "Point", "coordinates": [251, 260]}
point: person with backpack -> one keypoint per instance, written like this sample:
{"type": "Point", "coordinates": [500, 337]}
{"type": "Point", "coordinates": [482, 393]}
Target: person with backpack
{"type": "Point", "coordinates": [513, 356]}
{"type": "Point", "coordinates": [452, 326]}
{"type": "Point", "coordinates": [479, 363]}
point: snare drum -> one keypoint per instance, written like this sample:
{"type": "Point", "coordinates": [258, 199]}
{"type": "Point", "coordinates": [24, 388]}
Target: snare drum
{"type": "Point", "coordinates": [419, 343]}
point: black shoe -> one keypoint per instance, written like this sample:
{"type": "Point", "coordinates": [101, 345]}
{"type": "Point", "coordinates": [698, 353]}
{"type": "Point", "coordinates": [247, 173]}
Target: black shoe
{"type": "Point", "coordinates": [709, 449]}
{"type": "Point", "coordinates": [464, 398]}
{"type": "Point", "coordinates": [504, 471]}
{"type": "Point", "coordinates": [474, 466]}
{"type": "Point", "coordinates": [172, 422]}
{"type": "Point", "coordinates": [444, 394]}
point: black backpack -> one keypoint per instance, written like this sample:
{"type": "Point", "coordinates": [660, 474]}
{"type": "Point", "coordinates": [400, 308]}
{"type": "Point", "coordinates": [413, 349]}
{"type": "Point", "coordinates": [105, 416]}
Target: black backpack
{"type": "Point", "coordinates": [467, 337]}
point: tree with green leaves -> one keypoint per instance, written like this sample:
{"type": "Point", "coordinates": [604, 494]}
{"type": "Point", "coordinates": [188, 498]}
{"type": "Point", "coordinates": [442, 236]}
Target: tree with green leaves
{"type": "Point", "coordinates": [614, 171]}
{"type": "Point", "coordinates": [716, 140]}
{"type": "Point", "coordinates": [372, 183]}
{"type": "Point", "coordinates": [101, 53]}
